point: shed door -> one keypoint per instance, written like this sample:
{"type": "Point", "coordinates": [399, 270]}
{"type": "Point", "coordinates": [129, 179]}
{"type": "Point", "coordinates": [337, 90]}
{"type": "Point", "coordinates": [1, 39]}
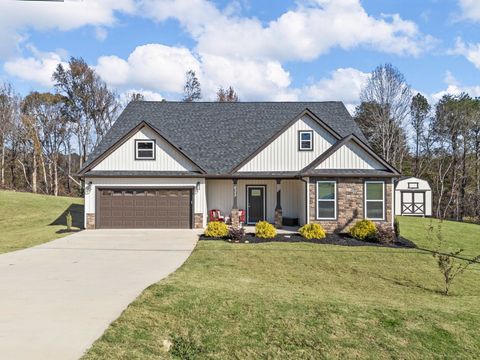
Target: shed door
{"type": "Point", "coordinates": [413, 203]}
{"type": "Point", "coordinates": [144, 209]}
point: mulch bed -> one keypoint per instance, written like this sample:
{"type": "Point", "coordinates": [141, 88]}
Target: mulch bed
{"type": "Point", "coordinates": [331, 239]}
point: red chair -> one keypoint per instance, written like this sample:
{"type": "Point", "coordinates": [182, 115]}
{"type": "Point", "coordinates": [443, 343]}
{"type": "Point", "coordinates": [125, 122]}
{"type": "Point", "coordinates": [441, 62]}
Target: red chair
{"type": "Point", "coordinates": [216, 215]}
{"type": "Point", "coordinates": [241, 216]}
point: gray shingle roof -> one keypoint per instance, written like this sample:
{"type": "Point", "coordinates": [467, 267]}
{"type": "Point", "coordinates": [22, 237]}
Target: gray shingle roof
{"type": "Point", "coordinates": [218, 136]}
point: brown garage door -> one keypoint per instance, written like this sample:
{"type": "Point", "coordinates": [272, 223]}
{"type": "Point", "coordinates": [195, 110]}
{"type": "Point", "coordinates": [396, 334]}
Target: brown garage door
{"type": "Point", "coordinates": [144, 208]}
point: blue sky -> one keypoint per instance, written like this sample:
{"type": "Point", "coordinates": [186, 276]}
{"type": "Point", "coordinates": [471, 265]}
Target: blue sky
{"type": "Point", "coordinates": [267, 50]}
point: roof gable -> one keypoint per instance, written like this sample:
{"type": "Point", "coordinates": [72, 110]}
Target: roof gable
{"type": "Point", "coordinates": [219, 136]}
{"type": "Point", "coordinates": [121, 156]}
{"type": "Point", "coordinates": [281, 152]}
{"type": "Point", "coordinates": [350, 153]}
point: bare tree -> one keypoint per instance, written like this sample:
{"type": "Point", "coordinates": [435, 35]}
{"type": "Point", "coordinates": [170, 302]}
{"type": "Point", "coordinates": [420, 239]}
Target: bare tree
{"type": "Point", "coordinates": [419, 110]}
{"type": "Point", "coordinates": [227, 95]}
{"type": "Point", "coordinates": [44, 115]}
{"type": "Point", "coordinates": [8, 109]}
{"type": "Point", "coordinates": [388, 97]}
{"type": "Point", "coordinates": [191, 90]}
{"type": "Point", "coordinates": [91, 106]}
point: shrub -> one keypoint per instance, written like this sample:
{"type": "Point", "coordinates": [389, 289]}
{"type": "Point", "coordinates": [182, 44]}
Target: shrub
{"type": "Point", "coordinates": [396, 227]}
{"type": "Point", "coordinates": [312, 231]}
{"type": "Point", "coordinates": [69, 220]}
{"type": "Point", "coordinates": [385, 234]}
{"type": "Point", "coordinates": [364, 230]}
{"type": "Point", "coordinates": [236, 234]}
{"type": "Point", "coordinates": [216, 229]}
{"type": "Point", "coordinates": [265, 230]}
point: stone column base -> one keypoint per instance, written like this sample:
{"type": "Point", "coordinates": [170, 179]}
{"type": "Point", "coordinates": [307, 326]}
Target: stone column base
{"type": "Point", "coordinates": [90, 225]}
{"type": "Point", "coordinates": [198, 221]}
{"type": "Point", "coordinates": [278, 218]}
{"type": "Point", "coordinates": [235, 218]}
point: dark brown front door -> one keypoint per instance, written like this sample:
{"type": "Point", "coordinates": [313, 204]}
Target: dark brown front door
{"type": "Point", "coordinates": [144, 209]}
{"type": "Point", "coordinates": [255, 204]}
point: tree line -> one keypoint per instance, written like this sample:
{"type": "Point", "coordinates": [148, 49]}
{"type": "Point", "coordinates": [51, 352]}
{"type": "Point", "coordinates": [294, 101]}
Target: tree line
{"type": "Point", "coordinates": [444, 142]}
{"type": "Point", "coordinates": [46, 137]}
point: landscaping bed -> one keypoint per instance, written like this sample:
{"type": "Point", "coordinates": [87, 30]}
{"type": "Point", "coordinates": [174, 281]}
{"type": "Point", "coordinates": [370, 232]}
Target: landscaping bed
{"type": "Point", "coordinates": [330, 239]}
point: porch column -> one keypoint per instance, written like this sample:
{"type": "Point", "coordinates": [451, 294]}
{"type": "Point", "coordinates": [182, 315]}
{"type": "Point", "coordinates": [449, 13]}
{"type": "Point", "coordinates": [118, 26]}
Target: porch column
{"type": "Point", "coordinates": [278, 207]}
{"type": "Point", "coordinates": [234, 216]}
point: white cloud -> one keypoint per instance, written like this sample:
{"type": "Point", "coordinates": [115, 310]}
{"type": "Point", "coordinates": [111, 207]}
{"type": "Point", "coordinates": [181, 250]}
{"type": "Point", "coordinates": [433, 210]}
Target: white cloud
{"type": "Point", "coordinates": [470, 9]}
{"type": "Point", "coordinates": [37, 68]}
{"type": "Point", "coordinates": [344, 84]}
{"type": "Point", "coordinates": [18, 17]}
{"type": "Point", "coordinates": [147, 94]}
{"type": "Point", "coordinates": [265, 80]}
{"type": "Point", "coordinates": [308, 31]}
{"type": "Point", "coordinates": [101, 33]}
{"type": "Point", "coordinates": [455, 88]}
{"type": "Point", "coordinates": [470, 51]}
{"type": "Point", "coordinates": [155, 67]}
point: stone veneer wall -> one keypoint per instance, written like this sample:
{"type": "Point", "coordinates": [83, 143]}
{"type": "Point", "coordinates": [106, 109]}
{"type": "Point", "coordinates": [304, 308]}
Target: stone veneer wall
{"type": "Point", "coordinates": [350, 203]}
{"type": "Point", "coordinates": [198, 221]}
{"type": "Point", "coordinates": [90, 225]}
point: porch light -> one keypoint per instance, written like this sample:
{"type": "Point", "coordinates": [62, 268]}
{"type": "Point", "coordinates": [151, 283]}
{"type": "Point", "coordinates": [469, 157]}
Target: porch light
{"type": "Point", "coordinates": [197, 186]}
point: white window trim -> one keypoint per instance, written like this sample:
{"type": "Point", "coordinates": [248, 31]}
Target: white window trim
{"type": "Point", "coordinates": [309, 132]}
{"type": "Point", "coordinates": [366, 200]}
{"type": "Point", "coordinates": [327, 200]}
{"type": "Point", "coordinates": [137, 157]}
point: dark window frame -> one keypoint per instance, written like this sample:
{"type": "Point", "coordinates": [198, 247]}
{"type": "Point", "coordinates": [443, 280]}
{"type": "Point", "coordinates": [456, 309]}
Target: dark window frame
{"type": "Point", "coordinates": [154, 149]}
{"type": "Point", "coordinates": [300, 132]}
{"type": "Point", "coordinates": [413, 183]}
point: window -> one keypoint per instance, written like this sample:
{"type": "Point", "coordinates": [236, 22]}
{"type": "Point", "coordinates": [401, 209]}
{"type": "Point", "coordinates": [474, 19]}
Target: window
{"type": "Point", "coordinates": [413, 185]}
{"type": "Point", "coordinates": [144, 149]}
{"type": "Point", "coordinates": [326, 200]}
{"type": "Point", "coordinates": [305, 140]}
{"type": "Point", "coordinates": [374, 200]}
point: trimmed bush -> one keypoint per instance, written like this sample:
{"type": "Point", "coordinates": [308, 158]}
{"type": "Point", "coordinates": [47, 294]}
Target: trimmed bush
{"type": "Point", "coordinates": [236, 234]}
{"type": "Point", "coordinates": [385, 234]}
{"type": "Point", "coordinates": [265, 230]}
{"type": "Point", "coordinates": [364, 230]}
{"type": "Point", "coordinates": [312, 231]}
{"type": "Point", "coordinates": [216, 229]}
{"type": "Point", "coordinates": [396, 227]}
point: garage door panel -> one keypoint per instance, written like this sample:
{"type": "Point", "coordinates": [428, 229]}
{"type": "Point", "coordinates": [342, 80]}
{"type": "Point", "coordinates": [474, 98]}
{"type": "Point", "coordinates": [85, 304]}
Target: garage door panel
{"type": "Point", "coordinates": [144, 208]}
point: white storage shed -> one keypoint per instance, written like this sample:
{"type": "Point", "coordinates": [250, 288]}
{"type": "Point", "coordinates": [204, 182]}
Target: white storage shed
{"type": "Point", "coordinates": [413, 197]}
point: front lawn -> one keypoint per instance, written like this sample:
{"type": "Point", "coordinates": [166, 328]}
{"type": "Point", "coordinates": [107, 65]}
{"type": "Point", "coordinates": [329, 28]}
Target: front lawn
{"type": "Point", "coordinates": [305, 301]}
{"type": "Point", "coordinates": [29, 219]}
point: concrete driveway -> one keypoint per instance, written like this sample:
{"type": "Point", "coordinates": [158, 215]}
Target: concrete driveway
{"type": "Point", "coordinates": [59, 297]}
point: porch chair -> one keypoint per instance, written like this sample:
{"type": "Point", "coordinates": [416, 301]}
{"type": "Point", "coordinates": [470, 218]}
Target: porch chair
{"type": "Point", "coordinates": [242, 215]}
{"type": "Point", "coordinates": [216, 215]}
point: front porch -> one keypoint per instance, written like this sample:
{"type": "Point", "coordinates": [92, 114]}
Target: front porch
{"type": "Point", "coordinates": [273, 200]}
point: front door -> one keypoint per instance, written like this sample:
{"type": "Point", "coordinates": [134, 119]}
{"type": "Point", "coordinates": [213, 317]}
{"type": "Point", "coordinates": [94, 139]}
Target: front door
{"type": "Point", "coordinates": [255, 204]}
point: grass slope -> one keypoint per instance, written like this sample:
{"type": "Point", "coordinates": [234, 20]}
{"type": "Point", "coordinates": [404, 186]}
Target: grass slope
{"type": "Point", "coordinates": [305, 301]}
{"type": "Point", "coordinates": [29, 219]}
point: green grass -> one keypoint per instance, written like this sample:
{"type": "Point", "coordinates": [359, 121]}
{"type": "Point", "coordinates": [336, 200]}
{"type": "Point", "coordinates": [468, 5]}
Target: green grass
{"type": "Point", "coordinates": [29, 219]}
{"type": "Point", "coordinates": [305, 301]}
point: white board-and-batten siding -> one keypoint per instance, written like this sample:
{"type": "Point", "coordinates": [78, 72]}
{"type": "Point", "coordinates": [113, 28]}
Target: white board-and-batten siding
{"type": "Point", "coordinates": [351, 156]}
{"type": "Point", "coordinates": [199, 196]}
{"type": "Point", "coordinates": [220, 196]}
{"type": "Point", "coordinates": [167, 158]}
{"type": "Point", "coordinates": [283, 153]}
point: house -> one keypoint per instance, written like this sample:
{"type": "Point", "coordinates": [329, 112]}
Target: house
{"type": "Point", "coordinates": [166, 164]}
{"type": "Point", "coordinates": [413, 196]}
